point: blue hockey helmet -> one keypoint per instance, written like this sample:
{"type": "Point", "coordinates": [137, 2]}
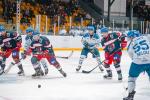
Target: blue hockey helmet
{"type": "Point", "coordinates": [133, 34]}
{"type": "Point", "coordinates": [90, 28]}
{"type": "Point", "coordinates": [29, 29]}
{"type": "Point", "coordinates": [104, 30]}
{"type": "Point", "coordinates": [2, 28]}
{"type": "Point", "coordinates": [36, 33]}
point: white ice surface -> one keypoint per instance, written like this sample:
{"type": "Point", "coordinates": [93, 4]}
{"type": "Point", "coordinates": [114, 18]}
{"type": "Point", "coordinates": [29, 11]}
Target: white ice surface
{"type": "Point", "coordinates": [77, 86]}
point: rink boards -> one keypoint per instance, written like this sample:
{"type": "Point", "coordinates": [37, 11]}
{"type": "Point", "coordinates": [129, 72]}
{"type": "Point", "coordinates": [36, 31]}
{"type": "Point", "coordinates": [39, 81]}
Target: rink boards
{"type": "Point", "coordinates": [64, 43]}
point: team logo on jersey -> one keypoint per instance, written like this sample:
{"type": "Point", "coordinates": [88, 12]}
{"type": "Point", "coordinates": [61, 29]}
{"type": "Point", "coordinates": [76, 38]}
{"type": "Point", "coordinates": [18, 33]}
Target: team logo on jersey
{"type": "Point", "coordinates": [111, 47]}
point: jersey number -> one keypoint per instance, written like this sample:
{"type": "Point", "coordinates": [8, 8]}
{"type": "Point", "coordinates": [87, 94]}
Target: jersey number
{"type": "Point", "coordinates": [142, 45]}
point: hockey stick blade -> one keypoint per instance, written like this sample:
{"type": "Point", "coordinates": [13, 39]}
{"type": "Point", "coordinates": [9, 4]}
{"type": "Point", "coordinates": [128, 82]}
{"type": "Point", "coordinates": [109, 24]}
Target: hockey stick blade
{"type": "Point", "coordinates": [86, 72]}
{"type": "Point", "coordinates": [67, 57]}
{"type": "Point", "coordinates": [62, 57]}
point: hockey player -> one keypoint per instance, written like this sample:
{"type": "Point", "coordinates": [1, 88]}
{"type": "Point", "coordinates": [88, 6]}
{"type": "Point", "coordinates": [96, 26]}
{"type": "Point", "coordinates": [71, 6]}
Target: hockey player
{"type": "Point", "coordinates": [41, 48]}
{"type": "Point", "coordinates": [27, 50]}
{"type": "Point", "coordinates": [10, 43]}
{"type": "Point", "coordinates": [112, 43]}
{"type": "Point", "coordinates": [90, 43]}
{"type": "Point", "coordinates": [139, 52]}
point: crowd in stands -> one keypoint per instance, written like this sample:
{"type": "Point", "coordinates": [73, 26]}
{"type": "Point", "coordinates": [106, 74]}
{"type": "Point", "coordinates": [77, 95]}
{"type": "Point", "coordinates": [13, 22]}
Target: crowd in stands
{"type": "Point", "coordinates": [9, 9]}
{"type": "Point", "coordinates": [140, 10]}
{"type": "Point", "coordinates": [51, 8]}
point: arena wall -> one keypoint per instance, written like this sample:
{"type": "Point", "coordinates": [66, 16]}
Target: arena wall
{"type": "Point", "coordinates": [64, 42]}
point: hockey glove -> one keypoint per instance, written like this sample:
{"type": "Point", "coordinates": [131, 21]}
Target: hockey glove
{"type": "Point", "coordinates": [23, 55]}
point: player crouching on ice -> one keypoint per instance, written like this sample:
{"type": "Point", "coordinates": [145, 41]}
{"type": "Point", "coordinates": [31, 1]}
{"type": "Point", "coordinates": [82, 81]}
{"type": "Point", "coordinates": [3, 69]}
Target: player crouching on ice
{"type": "Point", "coordinates": [139, 52]}
{"type": "Point", "coordinates": [90, 43]}
{"type": "Point", "coordinates": [112, 44]}
{"type": "Point", "coordinates": [27, 51]}
{"type": "Point", "coordinates": [41, 48]}
{"type": "Point", "coordinates": [10, 43]}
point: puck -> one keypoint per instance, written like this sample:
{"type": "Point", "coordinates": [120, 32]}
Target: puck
{"type": "Point", "coordinates": [39, 86]}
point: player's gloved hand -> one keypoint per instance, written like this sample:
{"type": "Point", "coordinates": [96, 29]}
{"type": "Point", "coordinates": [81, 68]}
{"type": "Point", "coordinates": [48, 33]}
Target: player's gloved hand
{"type": "Point", "coordinates": [92, 50]}
{"type": "Point", "coordinates": [85, 44]}
{"type": "Point", "coordinates": [23, 55]}
{"type": "Point", "coordinates": [28, 52]}
{"type": "Point", "coordinates": [51, 51]}
{"type": "Point", "coordinates": [122, 37]}
{"type": "Point", "coordinates": [19, 44]}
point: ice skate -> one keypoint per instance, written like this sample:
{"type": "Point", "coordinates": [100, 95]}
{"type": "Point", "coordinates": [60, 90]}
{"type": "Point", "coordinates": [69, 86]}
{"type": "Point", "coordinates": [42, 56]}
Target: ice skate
{"type": "Point", "coordinates": [120, 77]}
{"type": "Point", "coordinates": [101, 69]}
{"type": "Point", "coordinates": [21, 73]}
{"type": "Point", "coordinates": [108, 75]}
{"type": "Point", "coordinates": [63, 73]}
{"type": "Point", "coordinates": [78, 68]}
{"type": "Point", "coordinates": [130, 96]}
{"type": "Point", "coordinates": [46, 71]}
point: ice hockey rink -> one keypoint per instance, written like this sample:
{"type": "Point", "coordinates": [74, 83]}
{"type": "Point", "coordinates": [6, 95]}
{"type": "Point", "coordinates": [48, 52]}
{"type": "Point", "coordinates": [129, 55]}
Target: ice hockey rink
{"type": "Point", "coordinates": [76, 86]}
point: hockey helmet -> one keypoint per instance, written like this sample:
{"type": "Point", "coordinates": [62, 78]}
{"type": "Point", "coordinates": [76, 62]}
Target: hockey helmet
{"type": "Point", "coordinates": [133, 34]}
{"type": "Point", "coordinates": [2, 28]}
{"type": "Point", "coordinates": [36, 33]}
{"type": "Point", "coordinates": [90, 28]}
{"type": "Point", "coordinates": [29, 29]}
{"type": "Point", "coordinates": [104, 30]}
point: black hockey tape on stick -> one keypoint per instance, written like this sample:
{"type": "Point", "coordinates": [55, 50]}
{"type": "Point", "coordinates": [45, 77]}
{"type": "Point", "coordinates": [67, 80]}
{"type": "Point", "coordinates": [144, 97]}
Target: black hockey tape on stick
{"type": "Point", "coordinates": [66, 57]}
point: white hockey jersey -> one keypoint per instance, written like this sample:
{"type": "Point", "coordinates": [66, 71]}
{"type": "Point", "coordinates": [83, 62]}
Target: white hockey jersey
{"type": "Point", "coordinates": [139, 50]}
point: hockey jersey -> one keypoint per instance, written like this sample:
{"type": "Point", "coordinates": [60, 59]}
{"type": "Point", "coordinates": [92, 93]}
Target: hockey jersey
{"type": "Point", "coordinates": [139, 50]}
{"type": "Point", "coordinates": [28, 40]}
{"type": "Point", "coordinates": [113, 42]}
{"type": "Point", "coordinates": [10, 41]}
{"type": "Point", "coordinates": [41, 45]}
{"type": "Point", "coordinates": [90, 40]}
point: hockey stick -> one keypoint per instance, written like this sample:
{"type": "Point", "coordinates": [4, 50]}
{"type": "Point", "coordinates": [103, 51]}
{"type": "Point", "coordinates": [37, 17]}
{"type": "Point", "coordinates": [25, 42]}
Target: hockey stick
{"type": "Point", "coordinates": [66, 57]}
{"type": "Point", "coordinates": [10, 66]}
{"type": "Point", "coordinates": [87, 72]}
{"type": "Point", "coordinates": [83, 71]}
{"type": "Point", "coordinates": [101, 63]}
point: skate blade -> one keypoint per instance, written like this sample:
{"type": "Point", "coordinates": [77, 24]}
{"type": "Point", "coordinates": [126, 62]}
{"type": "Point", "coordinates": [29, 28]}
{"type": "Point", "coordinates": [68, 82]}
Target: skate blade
{"type": "Point", "coordinates": [21, 74]}
{"type": "Point", "coordinates": [108, 78]}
